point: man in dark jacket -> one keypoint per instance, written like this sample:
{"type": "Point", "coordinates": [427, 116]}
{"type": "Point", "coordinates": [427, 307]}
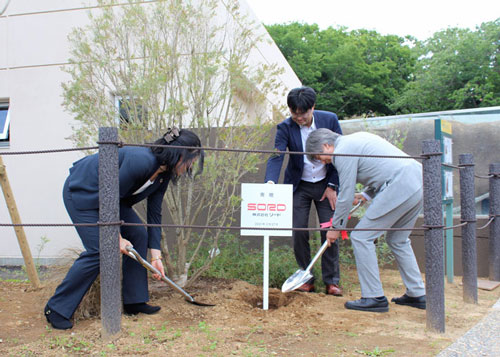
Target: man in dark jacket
{"type": "Point", "coordinates": [312, 181]}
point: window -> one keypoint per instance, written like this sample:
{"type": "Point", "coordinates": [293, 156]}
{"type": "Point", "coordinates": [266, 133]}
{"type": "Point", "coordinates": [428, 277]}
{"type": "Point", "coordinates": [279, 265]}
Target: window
{"type": "Point", "coordinates": [4, 123]}
{"type": "Point", "coordinates": [129, 110]}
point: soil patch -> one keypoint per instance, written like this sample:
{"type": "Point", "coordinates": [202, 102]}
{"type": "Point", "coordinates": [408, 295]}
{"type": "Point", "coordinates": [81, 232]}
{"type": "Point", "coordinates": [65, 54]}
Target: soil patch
{"type": "Point", "coordinates": [302, 324]}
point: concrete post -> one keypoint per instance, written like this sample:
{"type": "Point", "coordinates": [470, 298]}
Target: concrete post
{"type": "Point", "coordinates": [434, 245]}
{"type": "Point", "coordinates": [109, 211]}
{"type": "Point", "coordinates": [495, 225]}
{"type": "Point", "coordinates": [468, 212]}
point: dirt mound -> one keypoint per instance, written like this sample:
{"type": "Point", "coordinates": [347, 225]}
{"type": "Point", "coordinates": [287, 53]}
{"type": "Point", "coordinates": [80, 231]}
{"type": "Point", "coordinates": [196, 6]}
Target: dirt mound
{"type": "Point", "coordinates": [306, 324]}
{"type": "Point", "coordinates": [276, 298]}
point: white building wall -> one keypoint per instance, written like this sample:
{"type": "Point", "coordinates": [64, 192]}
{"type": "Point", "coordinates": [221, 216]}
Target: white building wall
{"type": "Point", "coordinates": [33, 49]}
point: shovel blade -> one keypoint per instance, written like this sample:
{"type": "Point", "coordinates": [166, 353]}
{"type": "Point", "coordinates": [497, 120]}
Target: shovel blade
{"type": "Point", "coordinates": [194, 302]}
{"type": "Point", "coordinates": [296, 280]}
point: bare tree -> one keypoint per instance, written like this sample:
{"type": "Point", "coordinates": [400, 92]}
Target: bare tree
{"type": "Point", "coordinates": [148, 66]}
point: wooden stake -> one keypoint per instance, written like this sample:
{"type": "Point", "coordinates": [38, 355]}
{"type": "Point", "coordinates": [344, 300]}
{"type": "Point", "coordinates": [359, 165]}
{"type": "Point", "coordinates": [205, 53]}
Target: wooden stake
{"type": "Point", "coordinates": [16, 219]}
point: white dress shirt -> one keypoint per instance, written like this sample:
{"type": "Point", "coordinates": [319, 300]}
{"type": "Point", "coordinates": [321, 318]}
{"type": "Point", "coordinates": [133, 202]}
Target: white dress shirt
{"type": "Point", "coordinates": [313, 171]}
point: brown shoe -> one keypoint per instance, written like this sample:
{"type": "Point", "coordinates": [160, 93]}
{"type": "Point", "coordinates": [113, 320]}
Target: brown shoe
{"type": "Point", "coordinates": [333, 289]}
{"type": "Point", "coordinates": [307, 288]}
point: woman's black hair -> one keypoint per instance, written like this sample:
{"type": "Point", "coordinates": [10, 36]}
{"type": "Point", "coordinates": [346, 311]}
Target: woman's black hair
{"type": "Point", "coordinates": [171, 156]}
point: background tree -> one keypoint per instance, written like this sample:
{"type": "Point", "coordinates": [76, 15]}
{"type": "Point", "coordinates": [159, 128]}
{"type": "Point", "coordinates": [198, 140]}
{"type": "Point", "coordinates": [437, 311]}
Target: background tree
{"type": "Point", "coordinates": [362, 72]}
{"type": "Point", "coordinates": [353, 72]}
{"type": "Point", "coordinates": [456, 69]}
{"type": "Point", "coordinates": [150, 66]}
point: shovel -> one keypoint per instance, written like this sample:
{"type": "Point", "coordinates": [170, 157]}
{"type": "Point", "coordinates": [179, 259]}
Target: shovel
{"type": "Point", "coordinates": [132, 253]}
{"type": "Point", "coordinates": [300, 277]}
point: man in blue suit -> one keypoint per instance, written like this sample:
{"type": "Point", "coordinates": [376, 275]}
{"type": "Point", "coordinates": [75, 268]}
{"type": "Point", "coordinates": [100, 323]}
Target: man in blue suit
{"type": "Point", "coordinates": [312, 181]}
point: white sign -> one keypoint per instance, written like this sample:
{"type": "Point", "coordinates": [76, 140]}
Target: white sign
{"type": "Point", "coordinates": [448, 184]}
{"type": "Point", "coordinates": [447, 155]}
{"type": "Point", "coordinates": [266, 205]}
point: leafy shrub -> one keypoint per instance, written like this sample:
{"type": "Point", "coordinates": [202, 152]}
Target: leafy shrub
{"type": "Point", "coordinates": [237, 261]}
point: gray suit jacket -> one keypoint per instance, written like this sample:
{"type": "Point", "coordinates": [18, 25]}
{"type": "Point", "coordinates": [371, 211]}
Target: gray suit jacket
{"type": "Point", "coordinates": [388, 181]}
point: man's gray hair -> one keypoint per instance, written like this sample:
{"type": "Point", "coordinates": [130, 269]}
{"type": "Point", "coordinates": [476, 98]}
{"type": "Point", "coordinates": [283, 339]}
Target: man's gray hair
{"type": "Point", "coordinates": [317, 139]}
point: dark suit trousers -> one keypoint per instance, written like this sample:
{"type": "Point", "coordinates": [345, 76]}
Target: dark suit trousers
{"type": "Point", "coordinates": [303, 197]}
{"type": "Point", "coordinates": [85, 269]}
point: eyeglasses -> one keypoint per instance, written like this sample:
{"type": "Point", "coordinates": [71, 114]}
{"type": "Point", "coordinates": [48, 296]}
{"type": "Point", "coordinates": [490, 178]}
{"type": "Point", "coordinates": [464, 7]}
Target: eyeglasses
{"type": "Point", "coordinates": [301, 114]}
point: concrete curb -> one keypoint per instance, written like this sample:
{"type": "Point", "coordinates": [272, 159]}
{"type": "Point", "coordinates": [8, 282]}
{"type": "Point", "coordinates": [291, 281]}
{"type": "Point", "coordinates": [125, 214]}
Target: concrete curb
{"type": "Point", "coordinates": [481, 340]}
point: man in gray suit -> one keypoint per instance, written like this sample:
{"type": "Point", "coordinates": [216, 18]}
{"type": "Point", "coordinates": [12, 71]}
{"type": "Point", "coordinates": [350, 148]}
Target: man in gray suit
{"type": "Point", "coordinates": [394, 187]}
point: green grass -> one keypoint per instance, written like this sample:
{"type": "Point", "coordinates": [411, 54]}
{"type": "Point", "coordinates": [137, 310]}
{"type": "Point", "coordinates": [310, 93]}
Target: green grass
{"type": "Point", "coordinates": [376, 352]}
{"type": "Point", "coordinates": [238, 261]}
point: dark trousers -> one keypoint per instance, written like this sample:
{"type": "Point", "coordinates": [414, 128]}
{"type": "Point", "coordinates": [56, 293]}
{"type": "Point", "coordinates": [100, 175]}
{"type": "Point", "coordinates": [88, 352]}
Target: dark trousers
{"type": "Point", "coordinates": [85, 269]}
{"type": "Point", "coordinates": [303, 197]}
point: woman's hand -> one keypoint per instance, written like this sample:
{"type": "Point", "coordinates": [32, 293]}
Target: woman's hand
{"type": "Point", "coordinates": [123, 245]}
{"type": "Point", "coordinates": [157, 263]}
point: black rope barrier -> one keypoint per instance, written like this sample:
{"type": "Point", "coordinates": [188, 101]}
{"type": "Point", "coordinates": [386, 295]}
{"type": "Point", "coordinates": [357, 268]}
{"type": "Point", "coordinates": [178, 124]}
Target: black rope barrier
{"type": "Point", "coordinates": [49, 151]}
{"type": "Point", "coordinates": [487, 224]}
{"type": "Point", "coordinates": [427, 226]}
{"type": "Point", "coordinates": [97, 224]}
{"type": "Point", "coordinates": [454, 166]}
{"type": "Point", "coordinates": [274, 152]}
{"type": "Point", "coordinates": [488, 176]}
{"type": "Point", "coordinates": [456, 226]}
{"type": "Point", "coordinates": [122, 223]}
{"type": "Point", "coordinates": [274, 229]}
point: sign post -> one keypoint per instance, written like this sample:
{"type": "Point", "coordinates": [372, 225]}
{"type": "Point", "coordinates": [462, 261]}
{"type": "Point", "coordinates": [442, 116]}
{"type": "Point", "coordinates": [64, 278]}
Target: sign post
{"type": "Point", "coordinates": [266, 206]}
{"type": "Point", "coordinates": [442, 131]}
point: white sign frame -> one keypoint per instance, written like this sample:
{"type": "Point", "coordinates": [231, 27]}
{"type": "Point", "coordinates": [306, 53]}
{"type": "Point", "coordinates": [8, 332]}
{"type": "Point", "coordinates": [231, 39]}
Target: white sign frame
{"type": "Point", "coordinates": [265, 205]}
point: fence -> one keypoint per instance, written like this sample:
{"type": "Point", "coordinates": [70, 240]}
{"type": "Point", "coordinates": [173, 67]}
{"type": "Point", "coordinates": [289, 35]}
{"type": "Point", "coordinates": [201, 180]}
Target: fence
{"type": "Point", "coordinates": [109, 224]}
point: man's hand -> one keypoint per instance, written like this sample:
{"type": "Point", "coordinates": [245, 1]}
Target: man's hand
{"type": "Point", "coordinates": [331, 194]}
{"type": "Point", "coordinates": [332, 236]}
{"type": "Point", "coordinates": [357, 198]}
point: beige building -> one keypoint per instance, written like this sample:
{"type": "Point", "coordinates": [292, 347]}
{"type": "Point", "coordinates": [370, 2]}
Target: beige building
{"type": "Point", "coordinates": [33, 50]}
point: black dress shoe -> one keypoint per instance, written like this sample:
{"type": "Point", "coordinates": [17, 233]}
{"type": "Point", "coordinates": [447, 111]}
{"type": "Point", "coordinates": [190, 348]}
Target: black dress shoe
{"type": "Point", "coordinates": [56, 320]}
{"type": "Point", "coordinates": [142, 307]}
{"type": "Point", "coordinates": [418, 302]}
{"type": "Point", "coordinates": [378, 304]}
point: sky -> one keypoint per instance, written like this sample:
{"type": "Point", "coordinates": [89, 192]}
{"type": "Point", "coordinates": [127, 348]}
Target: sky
{"type": "Point", "coordinates": [420, 19]}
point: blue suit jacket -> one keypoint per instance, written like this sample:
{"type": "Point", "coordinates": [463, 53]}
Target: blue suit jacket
{"type": "Point", "coordinates": [288, 136]}
{"type": "Point", "coordinates": [136, 166]}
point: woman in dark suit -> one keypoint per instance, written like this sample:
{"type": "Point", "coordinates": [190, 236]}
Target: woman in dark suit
{"type": "Point", "coordinates": [144, 173]}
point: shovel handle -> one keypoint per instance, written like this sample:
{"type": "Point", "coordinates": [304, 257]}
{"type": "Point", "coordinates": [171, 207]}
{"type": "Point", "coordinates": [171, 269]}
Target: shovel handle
{"type": "Point", "coordinates": [325, 244]}
{"type": "Point", "coordinates": [318, 254]}
{"type": "Point", "coordinates": [132, 253]}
